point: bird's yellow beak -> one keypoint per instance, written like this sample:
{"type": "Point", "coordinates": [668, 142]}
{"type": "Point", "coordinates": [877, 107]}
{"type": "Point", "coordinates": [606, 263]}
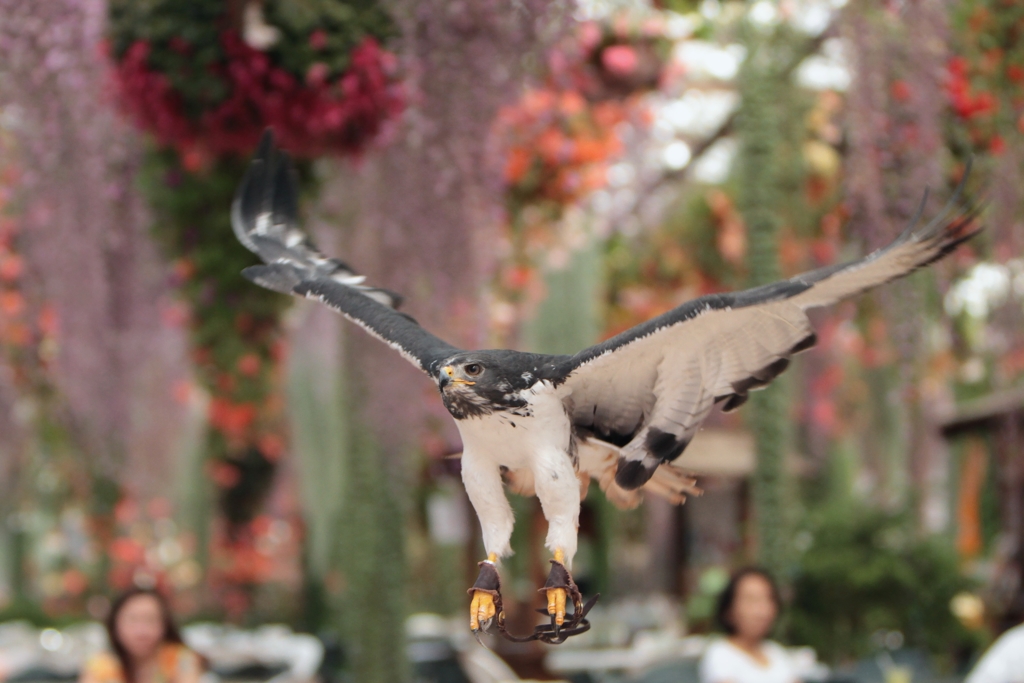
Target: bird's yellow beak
{"type": "Point", "coordinates": [450, 371]}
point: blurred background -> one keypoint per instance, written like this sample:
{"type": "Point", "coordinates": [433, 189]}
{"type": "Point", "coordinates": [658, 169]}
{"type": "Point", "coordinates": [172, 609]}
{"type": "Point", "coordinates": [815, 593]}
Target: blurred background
{"type": "Point", "coordinates": [536, 174]}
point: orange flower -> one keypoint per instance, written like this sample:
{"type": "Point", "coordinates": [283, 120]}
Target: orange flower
{"type": "Point", "coordinates": [195, 159]}
{"type": "Point", "coordinates": [261, 525]}
{"type": "Point", "coordinates": [125, 511]}
{"type": "Point", "coordinates": [608, 114]}
{"type": "Point", "coordinates": [900, 90]}
{"type": "Point", "coordinates": [550, 144]}
{"type": "Point", "coordinates": [159, 508]}
{"type": "Point", "coordinates": [175, 314]}
{"type": "Point", "coordinates": [182, 391]}
{"type": "Point", "coordinates": [224, 474]}
{"type": "Point", "coordinates": [517, 165]}
{"type": "Point", "coordinates": [17, 334]}
{"type": "Point", "coordinates": [537, 101]}
{"type": "Point", "coordinates": [278, 350]}
{"type": "Point", "coordinates": [126, 550]}
{"type": "Point", "coordinates": [244, 323]}
{"type": "Point", "coordinates": [183, 269]}
{"type": "Point", "coordinates": [232, 419]}
{"type": "Point", "coordinates": [518, 277]}
{"type": "Point", "coordinates": [225, 383]}
{"type": "Point", "coordinates": [239, 419]}
{"type": "Point", "coordinates": [75, 582]}
{"type": "Point", "coordinates": [824, 251]}
{"type": "Point", "coordinates": [249, 364]}
{"type": "Point", "coordinates": [791, 252]}
{"type": "Point", "coordinates": [731, 241]}
{"type": "Point", "coordinates": [271, 446]}
{"type": "Point", "coordinates": [571, 103]}
{"type": "Point", "coordinates": [11, 303]}
{"type": "Point", "coordinates": [596, 176]}
{"type": "Point", "coordinates": [588, 150]}
{"type": "Point", "coordinates": [11, 268]}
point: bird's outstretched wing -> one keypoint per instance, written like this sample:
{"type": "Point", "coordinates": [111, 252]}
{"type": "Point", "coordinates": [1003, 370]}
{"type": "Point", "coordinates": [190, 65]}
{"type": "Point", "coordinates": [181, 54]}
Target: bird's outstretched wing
{"type": "Point", "coordinates": [649, 388]}
{"type": "Point", "coordinates": [264, 216]}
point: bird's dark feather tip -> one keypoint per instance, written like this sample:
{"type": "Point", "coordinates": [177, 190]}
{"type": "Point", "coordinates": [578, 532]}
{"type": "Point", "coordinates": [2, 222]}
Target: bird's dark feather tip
{"type": "Point", "coordinates": [665, 446]}
{"type": "Point", "coordinates": [805, 343]}
{"type": "Point", "coordinates": [632, 474]}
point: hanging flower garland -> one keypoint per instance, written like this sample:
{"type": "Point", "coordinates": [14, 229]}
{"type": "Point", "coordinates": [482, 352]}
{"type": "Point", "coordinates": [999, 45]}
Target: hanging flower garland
{"type": "Point", "coordinates": [561, 137]}
{"type": "Point", "coordinates": [47, 503]}
{"type": "Point", "coordinates": [558, 147]}
{"type": "Point", "coordinates": [207, 77]}
{"type": "Point", "coordinates": [986, 81]}
{"type": "Point", "coordinates": [204, 79]}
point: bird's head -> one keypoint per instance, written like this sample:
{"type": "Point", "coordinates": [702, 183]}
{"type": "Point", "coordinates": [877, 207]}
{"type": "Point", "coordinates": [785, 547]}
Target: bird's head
{"type": "Point", "coordinates": [481, 382]}
{"type": "Point", "coordinates": [461, 372]}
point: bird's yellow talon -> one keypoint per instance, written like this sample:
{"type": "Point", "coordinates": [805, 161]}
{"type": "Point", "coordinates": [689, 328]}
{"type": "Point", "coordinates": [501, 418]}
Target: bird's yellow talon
{"type": "Point", "coordinates": [556, 604]}
{"type": "Point", "coordinates": [481, 609]}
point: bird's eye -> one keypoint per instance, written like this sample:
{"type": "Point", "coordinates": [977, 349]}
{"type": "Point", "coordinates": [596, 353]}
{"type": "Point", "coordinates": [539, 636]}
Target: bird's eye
{"type": "Point", "coordinates": [473, 369]}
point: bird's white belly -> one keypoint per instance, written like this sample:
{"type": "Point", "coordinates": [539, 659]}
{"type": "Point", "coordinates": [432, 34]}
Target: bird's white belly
{"type": "Point", "coordinates": [517, 441]}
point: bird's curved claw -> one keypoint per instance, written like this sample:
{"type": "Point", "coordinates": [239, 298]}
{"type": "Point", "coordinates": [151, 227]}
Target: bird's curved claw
{"type": "Point", "coordinates": [560, 588]}
{"type": "Point", "coordinates": [486, 602]}
{"type": "Point", "coordinates": [485, 609]}
{"type": "Point", "coordinates": [556, 605]}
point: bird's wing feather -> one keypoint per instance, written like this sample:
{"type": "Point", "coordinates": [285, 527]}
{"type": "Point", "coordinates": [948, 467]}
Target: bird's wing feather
{"type": "Point", "coordinates": [648, 389]}
{"type": "Point", "coordinates": [264, 217]}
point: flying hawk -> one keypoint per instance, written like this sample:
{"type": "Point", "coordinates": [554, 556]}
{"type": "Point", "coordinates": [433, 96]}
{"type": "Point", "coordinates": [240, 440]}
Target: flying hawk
{"type": "Point", "coordinates": [620, 411]}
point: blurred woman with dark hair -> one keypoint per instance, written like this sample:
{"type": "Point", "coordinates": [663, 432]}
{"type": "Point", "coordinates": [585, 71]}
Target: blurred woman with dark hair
{"type": "Point", "coordinates": [147, 647]}
{"type": "Point", "coordinates": [746, 611]}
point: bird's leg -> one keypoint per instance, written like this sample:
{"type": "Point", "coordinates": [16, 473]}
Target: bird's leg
{"type": "Point", "coordinates": [557, 486]}
{"type": "Point", "coordinates": [486, 492]}
{"type": "Point", "coordinates": [486, 592]}
{"type": "Point", "coordinates": [559, 588]}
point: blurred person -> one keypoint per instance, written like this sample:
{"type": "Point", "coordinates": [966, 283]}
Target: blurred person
{"type": "Point", "coordinates": [747, 610]}
{"type": "Point", "coordinates": [1003, 662]}
{"type": "Point", "coordinates": [146, 644]}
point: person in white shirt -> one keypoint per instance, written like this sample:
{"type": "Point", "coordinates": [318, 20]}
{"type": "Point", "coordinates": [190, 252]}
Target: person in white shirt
{"type": "Point", "coordinates": [1003, 662]}
{"type": "Point", "coordinates": [747, 610]}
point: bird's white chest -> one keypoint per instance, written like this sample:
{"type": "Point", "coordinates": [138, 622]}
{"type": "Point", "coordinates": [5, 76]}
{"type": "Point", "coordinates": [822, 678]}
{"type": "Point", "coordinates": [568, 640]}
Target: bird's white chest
{"type": "Point", "coordinates": [515, 441]}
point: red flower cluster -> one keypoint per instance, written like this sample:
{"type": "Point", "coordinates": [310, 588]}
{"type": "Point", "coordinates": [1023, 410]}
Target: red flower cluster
{"type": "Point", "coordinates": [320, 115]}
{"type": "Point", "coordinates": [966, 103]}
{"type": "Point", "coordinates": [232, 419]}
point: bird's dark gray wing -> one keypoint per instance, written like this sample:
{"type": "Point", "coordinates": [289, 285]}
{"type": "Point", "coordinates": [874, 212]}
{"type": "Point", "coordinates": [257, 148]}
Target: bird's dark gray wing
{"type": "Point", "coordinates": [649, 388]}
{"type": "Point", "coordinates": [264, 217]}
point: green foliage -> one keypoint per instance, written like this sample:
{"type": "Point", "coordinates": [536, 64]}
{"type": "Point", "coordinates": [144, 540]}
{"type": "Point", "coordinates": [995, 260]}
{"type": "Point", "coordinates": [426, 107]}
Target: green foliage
{"type": "Point", "coordinates": [343, 25]}
{"type": "Point", "coordinates": [866, 570]}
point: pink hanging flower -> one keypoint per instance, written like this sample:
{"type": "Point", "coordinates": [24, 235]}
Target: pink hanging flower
{"type": "Point", "coordinates": [620, 60]}
{"type": "Point", "coordinates": [317, 74]}
{"type": "Point", "coordinates": [318, 39]}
